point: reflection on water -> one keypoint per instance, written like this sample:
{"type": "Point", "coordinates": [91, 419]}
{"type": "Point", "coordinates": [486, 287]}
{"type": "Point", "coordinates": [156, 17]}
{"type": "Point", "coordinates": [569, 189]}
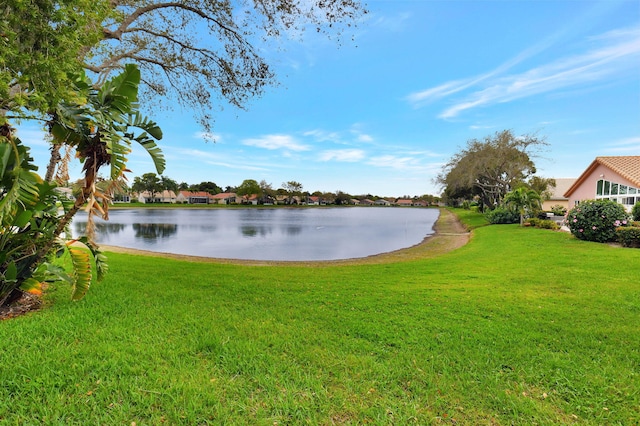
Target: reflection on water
{"type": "Point", "coordinates": [266, 234]}
{"type": "Point", "coordinates": [292, 230]}
{"type": "Point", "coordinates": [253, 231]}
{"type": "Point", "coordinates": [79, 227]}
{"type": "Point", "coordinates": [154, 230]}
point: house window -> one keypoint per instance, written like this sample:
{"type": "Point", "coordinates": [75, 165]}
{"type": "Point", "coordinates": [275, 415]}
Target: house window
{"type": "Point", "coordinates": [606, 189]}
{"type": "Point", "coordinates": [614, 189]}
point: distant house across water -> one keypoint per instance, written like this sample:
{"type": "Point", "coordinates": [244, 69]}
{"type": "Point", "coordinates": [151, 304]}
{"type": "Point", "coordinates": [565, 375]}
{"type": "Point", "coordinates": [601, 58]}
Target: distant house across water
{"type": "Point", "coordinates": [195, 197]}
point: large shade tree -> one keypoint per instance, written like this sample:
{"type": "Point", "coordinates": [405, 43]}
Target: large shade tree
{"type": "Point", "coordinates": [195, 51]}
{"type": "Point", "coordinates": [490, 168]}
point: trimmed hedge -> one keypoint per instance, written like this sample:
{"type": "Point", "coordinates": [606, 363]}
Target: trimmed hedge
{"type": "Point", "coordinates": [501, 215]}
{"type": "Point", "coordinates": [628, 236]}
{"type": "Point", "coordinates": [543, 223]}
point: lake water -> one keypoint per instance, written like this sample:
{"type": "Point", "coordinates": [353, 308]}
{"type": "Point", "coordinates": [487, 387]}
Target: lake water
{"type": "Point", "coordinates": [266, 234]}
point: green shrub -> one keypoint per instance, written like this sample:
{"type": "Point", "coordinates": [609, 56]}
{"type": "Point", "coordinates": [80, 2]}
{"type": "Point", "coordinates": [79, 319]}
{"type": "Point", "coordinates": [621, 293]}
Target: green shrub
{"type": "Point", "coordinates": [543, 223]}
{"type": "Point", "coordinates": [596, 220]}
{"type": "Point", "coordinates": [558, 210]}
{"type": "Point", "coordinates": [534, 221]}
{"type": "Point", "coordinates": [547, 224]}
{"type": "Point", "coordinates": [628, 236]}
{"type": "Point", "coordinates": [635, 211]}
{"type": "Point", "coordinates": [502, 215]}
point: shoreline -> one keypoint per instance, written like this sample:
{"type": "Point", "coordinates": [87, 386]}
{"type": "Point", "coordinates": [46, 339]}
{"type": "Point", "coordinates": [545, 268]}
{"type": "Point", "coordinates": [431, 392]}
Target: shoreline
{"type": "Point", "coordinates": [449, 234]}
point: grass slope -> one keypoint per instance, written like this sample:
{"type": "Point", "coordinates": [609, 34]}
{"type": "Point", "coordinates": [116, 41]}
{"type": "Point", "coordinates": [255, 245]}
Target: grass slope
{"type": "Point", "coordinates": [520, 326]}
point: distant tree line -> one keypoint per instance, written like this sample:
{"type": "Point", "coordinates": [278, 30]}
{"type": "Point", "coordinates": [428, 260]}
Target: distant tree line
{"type": "Point", "coordinates": [292, 191]}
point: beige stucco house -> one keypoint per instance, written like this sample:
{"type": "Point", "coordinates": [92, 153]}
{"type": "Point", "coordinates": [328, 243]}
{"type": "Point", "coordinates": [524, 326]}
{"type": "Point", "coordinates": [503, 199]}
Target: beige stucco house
{"type": "Point", "coordinates": [557, 195]}
{"type": "Point", "coordinates": [195, 197]}
{"type": "Point", "coordinates": [611, 178]}
{"type": "Point", "coordinates": [224, 198]}
{"type": "Point", "coordinates": [165, 196]}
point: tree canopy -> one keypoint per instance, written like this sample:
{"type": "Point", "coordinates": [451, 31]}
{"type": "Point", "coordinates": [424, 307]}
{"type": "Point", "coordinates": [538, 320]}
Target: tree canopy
{"type": "Point", "coordinates": [195, 51]}
{"type": "Point", "coordinates": [249, 187]}
{"type": "Point", "coordinates": [491, 167]}
{"type": "Point", "coordinates": [524, 200]}
{"type": "Point", "coordinates": [42, 43]}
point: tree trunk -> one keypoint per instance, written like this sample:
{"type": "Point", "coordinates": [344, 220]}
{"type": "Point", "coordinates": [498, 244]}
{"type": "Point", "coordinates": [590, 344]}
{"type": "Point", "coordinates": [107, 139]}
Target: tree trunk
{"type": "Point", "coordinates": [53, 162]}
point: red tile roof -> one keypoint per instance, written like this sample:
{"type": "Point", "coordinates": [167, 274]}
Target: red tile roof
{"type": "Point", "coordinates": [628, 167]}
{"type": "Point", "coordinates": [224, 195]}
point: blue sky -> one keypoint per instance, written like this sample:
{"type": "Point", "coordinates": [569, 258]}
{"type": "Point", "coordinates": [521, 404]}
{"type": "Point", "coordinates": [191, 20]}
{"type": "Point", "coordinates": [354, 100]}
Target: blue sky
{"type": "Point", "coordinates": [381, 114]}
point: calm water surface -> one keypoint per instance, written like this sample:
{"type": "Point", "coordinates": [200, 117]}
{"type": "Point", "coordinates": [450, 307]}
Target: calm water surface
{"type": "Point", "coordinates": [266, 234]}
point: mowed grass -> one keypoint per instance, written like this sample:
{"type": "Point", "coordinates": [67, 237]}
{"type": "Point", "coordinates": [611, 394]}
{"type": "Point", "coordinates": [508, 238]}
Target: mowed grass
{"type": "Point", "coordinates": [520, 326]}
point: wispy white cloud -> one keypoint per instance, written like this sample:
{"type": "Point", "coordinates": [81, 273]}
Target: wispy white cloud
{"type": "Point", "coordinates": [392, 23]}
{"type": "Point", "coordinates": [322, 135]}
{"type": "Point", "coordinates": [456, 86]}
{"type": "Point", "coordinates": [33, 137]}
{"type": "Point", "coordinates": [626, 146]}
{"type": "Point", "coordinates": [480, 127]}
{"type": "Point", "coordinates": [273, 142]}
{"type": "Point", "coordinates": [340, 137]}
{"type": "Point", "coordinates": [184, 153]}
{"type": "Point", "coordinates": [198, 157]}
{"type": "Point", "coordinates": [628, 141]}
{"type": "Point", "coordinates": [361, 136]}
{"type": "Point", "coordinates": [617, 53]}
{"type": "Point", "coordinates": [395, 162]}
{"type": "Point", "coordinates": [344, 155]}
{"type": "Point", "coordinates": [237, 166]}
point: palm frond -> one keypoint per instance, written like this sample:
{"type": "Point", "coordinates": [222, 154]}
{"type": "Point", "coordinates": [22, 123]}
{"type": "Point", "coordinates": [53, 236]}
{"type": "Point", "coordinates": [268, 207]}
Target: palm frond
{"type": "Point", "coordinates": [121, 92]}
{"type": "Point", "coordinates": [146, 124]}
{"type": "Point", "coordinates": [81, 259]}
{"type": "Point", "coordinates": [154, 151]}
{"type": "Point", "coordinates": [118, 148]}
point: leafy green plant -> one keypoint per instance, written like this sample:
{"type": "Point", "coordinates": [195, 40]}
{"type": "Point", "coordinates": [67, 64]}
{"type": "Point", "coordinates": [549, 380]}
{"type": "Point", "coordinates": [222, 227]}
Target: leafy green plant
{"type": "Point", "coordinates": [524, 200]}
{"type": "Point", "coordinates": [542, 223]}
{"type": "Point", "coordinates": [628, 236]}
{"type": "Point", "coordinates": [101, 130]}
{"type": "Point", "coordinates": [596, 220]}
{"type": "Point", "coordinates": [533, 221]}
{"type": "Point", "coordinates": [547, 224]}
{"type": "Point", "coordinates": [558, 210]}
{"type": "Point", "coordinates": [501, 215]}
{"type": "Point", "coordinates": [30, 213]}
{"type": "Point", "coordinates": [635, 211]}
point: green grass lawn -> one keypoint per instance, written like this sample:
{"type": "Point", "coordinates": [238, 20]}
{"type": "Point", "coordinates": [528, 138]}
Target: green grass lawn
{"type": "Point", "coordinates": [520, 326]}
